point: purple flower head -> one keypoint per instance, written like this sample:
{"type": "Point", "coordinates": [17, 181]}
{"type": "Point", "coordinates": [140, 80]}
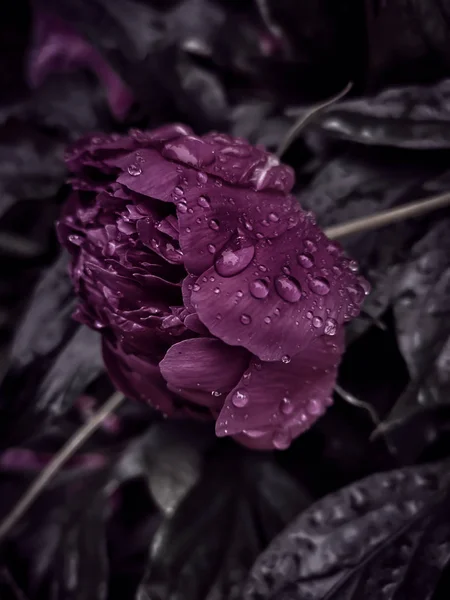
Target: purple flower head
{"type": "Point", "coordinates": [216, 295]}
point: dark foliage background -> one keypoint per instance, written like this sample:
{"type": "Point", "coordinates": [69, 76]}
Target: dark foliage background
{"type": "Point", "coordinates": [155, 510]}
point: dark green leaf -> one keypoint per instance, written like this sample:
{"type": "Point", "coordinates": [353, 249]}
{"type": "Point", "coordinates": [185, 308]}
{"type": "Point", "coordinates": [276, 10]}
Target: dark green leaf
{"type": "Point", "coordinates": [52, 358]}
{"type": "Point", "coordinates": [206, 548]}
{"type": "Point", "coordinates": [404, 117]}
{"type": "Point", "coordinates": [386, 536]}
{"type": "Point", "coordinates": [421, 297]}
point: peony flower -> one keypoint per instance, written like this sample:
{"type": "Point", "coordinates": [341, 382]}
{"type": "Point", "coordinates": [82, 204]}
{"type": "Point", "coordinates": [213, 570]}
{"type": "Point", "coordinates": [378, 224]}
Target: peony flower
{"type": "Point", "coordinates": [216, 295]}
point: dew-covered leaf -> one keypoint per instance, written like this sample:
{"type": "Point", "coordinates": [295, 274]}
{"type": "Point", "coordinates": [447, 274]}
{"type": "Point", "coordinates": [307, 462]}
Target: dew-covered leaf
{"type": "Point", "coordinates": [421, 300]}
{"type": "Point", "coordinates": [385, 536]}
{"type": "Point", "coordinates": [415, 117]}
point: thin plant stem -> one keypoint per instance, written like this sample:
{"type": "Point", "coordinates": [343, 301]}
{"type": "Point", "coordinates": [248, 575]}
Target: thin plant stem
{"type": "Point", "coordinates": [307, 117]}
{"type": "Point", "coordinates": [49, 472]}
{"type": "Point", "coordinates": [388, 217]}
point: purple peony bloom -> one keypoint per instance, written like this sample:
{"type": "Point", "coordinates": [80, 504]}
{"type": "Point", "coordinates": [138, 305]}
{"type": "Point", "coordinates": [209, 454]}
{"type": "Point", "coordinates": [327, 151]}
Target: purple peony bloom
{"type": "Point", "coordinates": [215, 293]}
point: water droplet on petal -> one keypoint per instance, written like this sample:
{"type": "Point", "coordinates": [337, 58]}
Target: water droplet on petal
{"type": "Point", "coordinates": [364, 284]}
{"type": "Point", "coordinates": [337, 271]}
{"type": "Point", "coordinates": [267, 320]}
{"type": "Point", "coordinates": [286, 270]}
{"type": "Point", "coordinates": [211, 248]}
{"type": "Point", "coordinates": [305, 260]}
{"type": "Point", "coordinates": [286, 406]}
{"type": "Point", "coordinates": [181, 206]}
{"type": "Point", "coordinates": [309, 315]}
{"type": "Point", "coordinates": [310, 246]}
{"type": "Point", "coordinates": [273, 217]}
{"type": "Point", "coordinates": [259, 288]}
{"type": "Point", "coordinates": [203, 201]}
{"type": "Point", "coordinates": [317, 322]}
{"type": "Point", "coordinates": [214, 224]}
{"type": "Point", "coordinates": [262, 268]}
{"type": "Point", "coordinates": [319, 285]}
{"type": "Point", "coordinates": [288, 288]}
{"type": "Point", "coordinates": [281, 440]}
{"type": "Point", "coordinates": [219, 317]}
{"type": "Point", "coordinates": [202, 177]}
{"type": "Point", "coordinates": [286, 359]}
{"type": "Point", "coordinates": [254, 433]}
{"type": "Point", "coordinates": [216, 394]}
{"type": "Point", "coordinates": [178, 191]}
{"type": "Point", "coordinates": [246, 319]}
{"type": "Point", "coordinates": [330, 327]}
{"type": "Point", "coordinates": [217, 290]}
{"type": "Point", "coordinates": [195, 287]}
{"type": "Point", "coordinates": [134, 170]}
{"type": "Point", "coordinates": [356, 291]}
{"type": "Point", "coordinates": [232, 262]}
{"type": "Point", "coordinates": [315, 407]}
{"type": "Point", "coordinates": [240, 398]}
{"type": "Point", "coordinates": [353, 266]}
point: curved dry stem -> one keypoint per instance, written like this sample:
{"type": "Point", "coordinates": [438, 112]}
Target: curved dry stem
{"type": "Point", "coordinates": [45, 476]}
{"type": "Point", "coordinates": [308, 116]}
{"type": "Point", "coordinates": [388, 217]}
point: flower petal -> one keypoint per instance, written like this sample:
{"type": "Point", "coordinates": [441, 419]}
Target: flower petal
{"type": "Point", "coordinates": [298, 287]}
{"type": "Point", "coordinates": [204, 364]}
{"type": "Point", "coordinates": [275, 402]}
{"type": "Point", "coordinates": [137, 378]}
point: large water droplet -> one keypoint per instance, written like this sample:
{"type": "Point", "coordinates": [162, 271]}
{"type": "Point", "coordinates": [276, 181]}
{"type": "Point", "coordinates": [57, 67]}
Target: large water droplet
{"type": "Point", "coordinates": [315, 407]}
{"type": "Point", "coordinates": [134, 170]}
{"type": "Point", "coordinates": [288, 288]}
{"type": "Point", "coordinates": [281, 440]}
{"type": "Point", "coordinates": [203, 201]}
{"type": "Point", "coordinates": [356, 291]}
{"type": "Point", "coordinates": [259, 288]}
{"type": "Point", "coordinates": [214, 225]}
{"type": "Point", "coordinates": [246, 319]}
{"type": "Point", "coordinates": [330, 327]}
{"type": "Point", "coordinates": [305, 260]}
{"type": "Point", "coordinates": [202, 178]}
{"type": "Point", "coordinates": [232, 262]}
{"type": "Point", "coordinates": [286, 406]}
{"type": "Point", "coordinates": [240, 398]}
{"type": "Point", "coordinates": [317, 322]}
{"type": "Point", "coordinates": [319, 285]}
